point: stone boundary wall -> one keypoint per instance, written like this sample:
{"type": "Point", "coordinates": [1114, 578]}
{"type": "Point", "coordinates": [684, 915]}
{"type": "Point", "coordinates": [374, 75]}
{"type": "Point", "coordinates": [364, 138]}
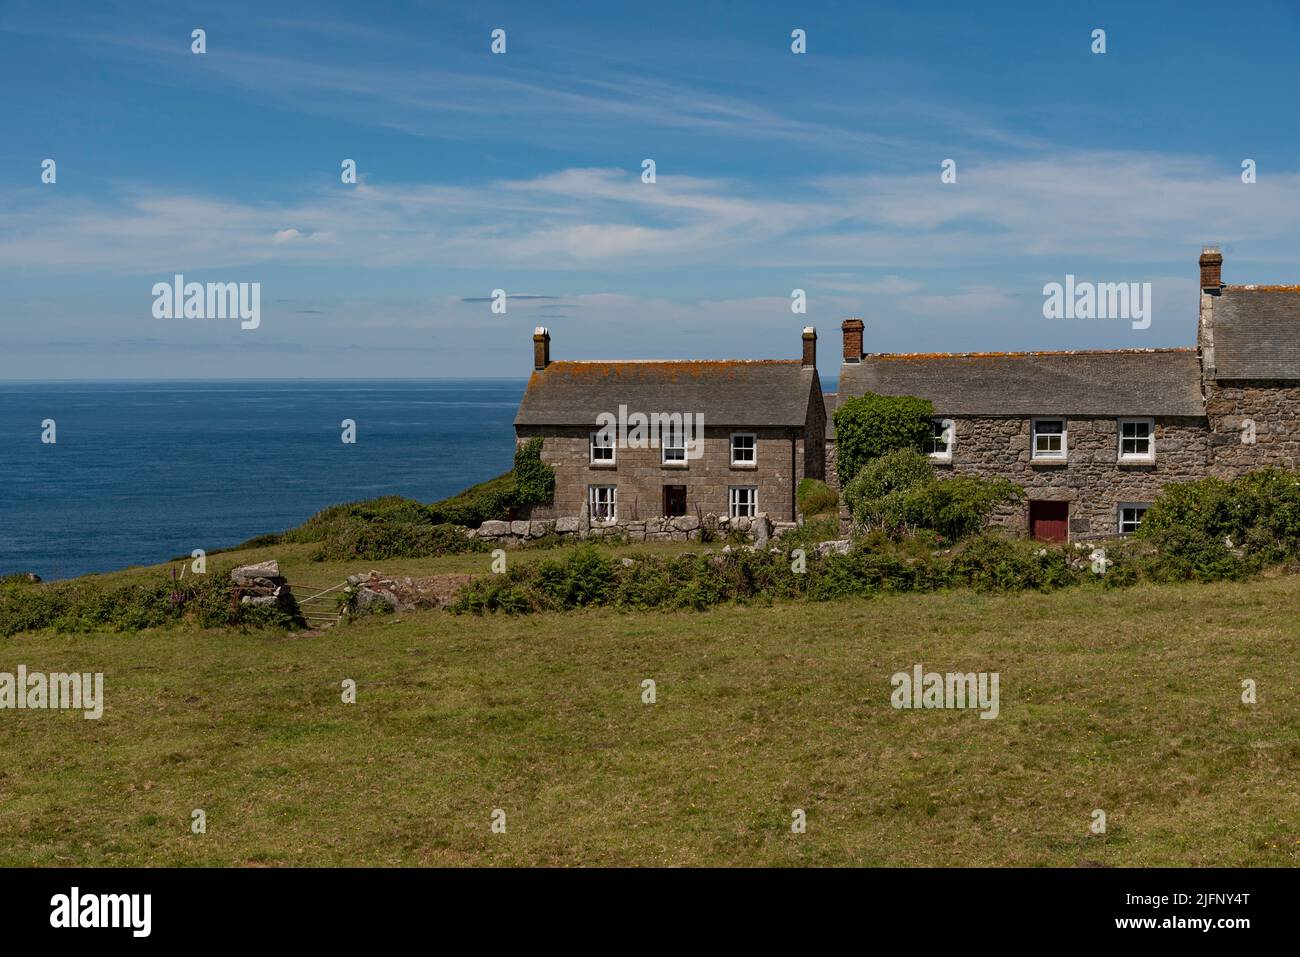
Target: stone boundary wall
{"type": "Point", "coordinates": [685, 528]}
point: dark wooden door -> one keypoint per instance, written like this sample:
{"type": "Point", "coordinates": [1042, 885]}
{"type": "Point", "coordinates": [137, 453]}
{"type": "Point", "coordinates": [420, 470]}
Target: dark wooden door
{"type": "Point", "coordinates": [1049, 521]}
{"type": "Point", "coordinates": [674, 500]}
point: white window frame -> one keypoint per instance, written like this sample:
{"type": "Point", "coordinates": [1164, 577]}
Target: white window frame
{"type": "Point", "coordinates": [1119, 516]}
{"type": "Point", "coordinates": [593, 497]}
{"type": "Point", "coordinates": [1037, 456]}
{"type": "Point", "coordinates": [733, 504]}
{"type": "Point", "coordinates": [948, 433]}
{"type": "Point", "coordinates": [749, 463]}
{"type": "Point", "coordinates": [612, 448]}
{"type": "Point", "coordinates": [1148, 456]}
{"type": "Point", "coordinates": [666, 435]}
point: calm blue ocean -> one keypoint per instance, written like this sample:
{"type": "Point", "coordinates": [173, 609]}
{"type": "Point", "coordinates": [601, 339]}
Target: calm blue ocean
{"type": "Point", "coordinates": [144, 471]}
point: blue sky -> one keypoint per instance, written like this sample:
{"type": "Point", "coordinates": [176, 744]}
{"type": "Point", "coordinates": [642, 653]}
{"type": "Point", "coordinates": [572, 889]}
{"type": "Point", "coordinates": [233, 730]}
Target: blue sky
{"type": "Point", "coordinates": [521, 171]}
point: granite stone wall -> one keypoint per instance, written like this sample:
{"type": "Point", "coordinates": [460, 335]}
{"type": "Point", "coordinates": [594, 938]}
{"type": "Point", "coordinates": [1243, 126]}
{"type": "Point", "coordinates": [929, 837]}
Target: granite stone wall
{"type": "Point", "coordinates": [1267, 412]}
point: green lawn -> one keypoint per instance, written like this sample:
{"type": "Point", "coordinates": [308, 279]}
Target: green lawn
{"type": "Point", "coordinates": [1126, 700]}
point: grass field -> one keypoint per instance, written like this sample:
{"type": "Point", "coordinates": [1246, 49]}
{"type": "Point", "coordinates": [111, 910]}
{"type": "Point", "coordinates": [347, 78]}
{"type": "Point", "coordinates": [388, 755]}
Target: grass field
{"type": "Point", "coordinates": [1126, 701]}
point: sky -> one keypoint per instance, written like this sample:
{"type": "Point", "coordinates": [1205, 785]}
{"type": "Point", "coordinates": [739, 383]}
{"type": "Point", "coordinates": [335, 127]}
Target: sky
{"type": "Point", "coordinates": [523, 171]}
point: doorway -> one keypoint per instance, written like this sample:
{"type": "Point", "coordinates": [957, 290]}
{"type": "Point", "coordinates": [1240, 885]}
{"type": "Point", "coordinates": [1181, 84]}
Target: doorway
{"type": "Point", "coordinates": [674, 501]}
{"type": "Point", "coordinates": [1049, 521]}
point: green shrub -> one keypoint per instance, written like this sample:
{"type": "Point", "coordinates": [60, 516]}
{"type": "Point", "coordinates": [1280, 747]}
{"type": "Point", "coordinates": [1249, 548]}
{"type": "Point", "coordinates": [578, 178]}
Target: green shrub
{"type": "Point", "coordinates": [899, 492]}
{"type": "Point", "coordinates": [953, 507]}
{"type": "Point", "coordinates": [812, 532]}
{"type": "Point", "coordinates": [872, 425]}
{"type": "Point", "coordinates": [208, 601]}
{"type": "Point", "coordinates": [377, 540]}
{"type": "Point", "coordinates": [994, 563]}
{"type": "Point", "coordinates": [815, 497]}
{"type": "Point", "coordinates": [868, 494]}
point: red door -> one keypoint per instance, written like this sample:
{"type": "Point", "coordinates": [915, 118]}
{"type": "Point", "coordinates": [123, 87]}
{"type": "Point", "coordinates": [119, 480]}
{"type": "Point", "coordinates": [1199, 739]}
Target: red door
{"type": "Point", "coordinates": [1049, 521]}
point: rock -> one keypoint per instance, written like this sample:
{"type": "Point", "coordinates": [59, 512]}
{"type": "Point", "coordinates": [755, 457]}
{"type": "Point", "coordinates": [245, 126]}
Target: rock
{"type": "Point", "coordinates": [762, 529]}
{"type": "Point", "coordinates": [368, 597]}
{"type": "Point", "coordinates": [262, 570]}
{"type": "Point", "coordinates": [742, 523]}
{"type": "Point", "coordinates": [838, 547]}
{"type": "Point", "coordinates": [685, 523]}
{"type": "Point", "coordinates": [540, 528]}
{"type": "Point", "coordinates": [567, 526]}
{"type": "Point", "coordinates": [493, 529]}
{"type": "Point", "coordinates": [627, 562]}
{"type": "Point", "coordinates": [519, 528]}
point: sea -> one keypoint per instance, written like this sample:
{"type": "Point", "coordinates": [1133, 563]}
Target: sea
{"type": "Point", "coordinates": [140, 472]}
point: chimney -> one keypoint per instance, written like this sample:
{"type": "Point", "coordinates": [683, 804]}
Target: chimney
{"type": "Point", "coordinates": [852, 339]}
{"type": "Point", "coordinates": [541, 348]}
{"type": "Point", "coordinates": [809, 347]}
{"type": "Point", "coordinates": [1211, 269]}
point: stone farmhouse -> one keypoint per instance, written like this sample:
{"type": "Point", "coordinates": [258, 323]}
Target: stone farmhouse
{"type": "Point", "coordinates": [1091, 435]}
{"type": "Point", "coordinates": [764, 427]}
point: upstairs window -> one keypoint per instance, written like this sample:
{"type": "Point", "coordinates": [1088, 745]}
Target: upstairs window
{"type": "Point", "coordinates": [939, 445]}
{"type": "Point", "coordinates": [1137, 440]}
{"type": "Point", "coordinates": [602, 448]}
{"type": "Point", "coordinates": [672, 443]}
{"type": "Point", "coordinates": [1050, 442]}
{"type": "Point", "coordinates": [744, 449]}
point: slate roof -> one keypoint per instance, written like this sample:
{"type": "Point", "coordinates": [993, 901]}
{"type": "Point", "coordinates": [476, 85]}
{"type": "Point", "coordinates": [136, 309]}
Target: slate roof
{"type": "Point", "coordinates": [1257, 332]}
{"type": "Point", "coordinates": [769, 392]}
{"type": "Point", "coordinates": [1155, 382]}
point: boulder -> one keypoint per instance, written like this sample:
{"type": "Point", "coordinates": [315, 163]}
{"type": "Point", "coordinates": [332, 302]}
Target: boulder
{"type": "Point", "coordinates": [493, 529]}
{"type": "Point", "coordinates": [541, 528]}
{"type": "Point", "coordinates": [519, 528]}
{"type": "Point", "coordinates": [368, 597]}
{"type": "Point", "coordinates": [685, 523]}
{"type": "Point", "coordinates": [567, 526]}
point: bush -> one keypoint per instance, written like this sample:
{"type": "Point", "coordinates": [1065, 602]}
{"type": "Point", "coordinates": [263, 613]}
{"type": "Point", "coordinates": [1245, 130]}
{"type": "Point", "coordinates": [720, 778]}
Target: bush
{"type": "Point", "coordinates": [899, 492]}
{"type": "Point", "coordinates": [1212, 526]}
{"type": "Point", "coordinates": [208, 601]}
{"type": "Point", "coordinates": [954, 507]}
{"type": "Point", "coordinates": [815, 497]}
{"type": "Point", "coordinates": [892, 472]}
{"type": "Point", "coordinates": [375, 540]}
{"type": "Point", "coordinates": [871, 425]}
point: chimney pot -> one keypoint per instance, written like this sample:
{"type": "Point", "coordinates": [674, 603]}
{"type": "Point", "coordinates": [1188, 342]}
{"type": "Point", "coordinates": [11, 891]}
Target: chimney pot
{"type": "Point", "coordinates": [1211, 269]}
{"type": "Point", "coordinates": [809, 347]}
{"type": "Point", "coordinates": [541, 348]}
{"type": "Point", "coordinates": [852, 329]}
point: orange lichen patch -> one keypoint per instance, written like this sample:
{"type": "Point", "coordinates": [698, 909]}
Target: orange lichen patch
{"type": "Point", "coordinates": [908, 356]}
{"type": "Point", "coordinates": [1288, 288]}
{"type": "Point", "coordinates": [668, 370]}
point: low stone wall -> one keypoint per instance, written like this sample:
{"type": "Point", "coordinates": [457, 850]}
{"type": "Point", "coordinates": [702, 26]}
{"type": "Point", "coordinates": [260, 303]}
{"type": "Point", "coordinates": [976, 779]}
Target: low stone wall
{"type": "Point", "coordinates": [262, 584]}
{"type": "Point", "coordinates": [684, 528]}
